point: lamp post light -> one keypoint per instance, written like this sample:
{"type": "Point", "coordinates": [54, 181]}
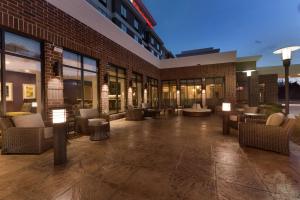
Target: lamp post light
{"type": "Point", "coordinates": [286, 55]}
{"type": "Point", "coordinates": [249, 74]}
{"type": "Point", "coordinates": [59, 118]}
{"type": "Point", "coordinates": [226, 108]}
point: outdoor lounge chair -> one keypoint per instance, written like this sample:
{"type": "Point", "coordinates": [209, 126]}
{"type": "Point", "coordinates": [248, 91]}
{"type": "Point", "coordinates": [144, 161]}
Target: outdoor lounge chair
{"type": "Point", "coordinates": [25, 135]}
{"type": "Point", "coordinates": [272, 136]}
{"type": "Point", "coordinates": [89, 116]}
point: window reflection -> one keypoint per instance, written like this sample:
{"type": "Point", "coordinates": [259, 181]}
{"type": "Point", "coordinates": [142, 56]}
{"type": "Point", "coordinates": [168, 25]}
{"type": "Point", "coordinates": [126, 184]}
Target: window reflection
{"type": "Point", "coordinates": [22, 46]}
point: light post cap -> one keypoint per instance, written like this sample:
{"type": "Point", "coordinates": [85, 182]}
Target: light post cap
{"type": "Point", "coordinates": [286, 52]}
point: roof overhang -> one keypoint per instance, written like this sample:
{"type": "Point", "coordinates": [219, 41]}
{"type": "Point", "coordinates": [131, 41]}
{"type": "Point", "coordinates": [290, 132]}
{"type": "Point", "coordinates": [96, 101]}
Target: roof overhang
{"type": "Point", "coordinates": [208, 59]}
{"type": "Point", "coordinates": [294, 70]}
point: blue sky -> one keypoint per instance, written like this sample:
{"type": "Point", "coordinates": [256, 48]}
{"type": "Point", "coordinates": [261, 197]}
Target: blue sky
{"type": "Point", "coordinates": [252, 27]}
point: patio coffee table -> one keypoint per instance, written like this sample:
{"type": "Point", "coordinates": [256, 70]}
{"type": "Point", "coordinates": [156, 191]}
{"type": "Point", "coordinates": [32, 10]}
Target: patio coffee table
{"type": "Point", "coordinates": [99, 131]}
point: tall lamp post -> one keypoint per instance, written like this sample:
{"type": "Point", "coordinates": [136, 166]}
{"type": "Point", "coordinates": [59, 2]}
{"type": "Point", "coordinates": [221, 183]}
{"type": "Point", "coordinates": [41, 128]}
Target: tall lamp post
{"type": "Point", "coordinates": [286, 55]}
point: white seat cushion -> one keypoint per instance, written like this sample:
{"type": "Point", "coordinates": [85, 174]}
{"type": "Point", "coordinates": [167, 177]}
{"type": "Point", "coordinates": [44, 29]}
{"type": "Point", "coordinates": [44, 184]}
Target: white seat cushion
{"type": "Point", "coordinates": [96, 122]}
{"type": "Point", "coordinates": [275, 119]}
{"type": "Point", "coordinates": [233, 118]}
{"type": "Point", "coordinates": [89, 113]}
{"type": "Point", "coordinates": [48, 132]}
{"type": "Point", "coordinates": [29, 121]}
{"type": "Point", "coordinates": [251, 110]}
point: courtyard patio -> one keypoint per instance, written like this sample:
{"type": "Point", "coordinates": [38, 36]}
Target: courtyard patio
{"type": "Point", "coordinates": [176, 158]}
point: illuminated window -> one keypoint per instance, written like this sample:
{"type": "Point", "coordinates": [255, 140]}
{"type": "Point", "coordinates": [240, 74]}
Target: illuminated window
{"type": "Point", "coordinates": [136, 38]}
{"type": "Point", "coordinates": [124, 28]}
{"type": "Point", "coordinates": [152, 40]}
{"type": "Point", "coordinates": [123, 11]}
{"type": "Point", "coordinates": [136, 24]}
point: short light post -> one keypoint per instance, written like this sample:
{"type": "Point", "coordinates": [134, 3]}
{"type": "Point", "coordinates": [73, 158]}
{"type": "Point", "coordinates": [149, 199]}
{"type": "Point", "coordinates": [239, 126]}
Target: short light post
{"type": "Point", "coordinates": [59, 117]}
{"type": "Point", "coordinates": [226, 108]}
{"type": "Point", "coordinates": [286, 55]}
{"type": "Point", "coordinates": [249, 74]}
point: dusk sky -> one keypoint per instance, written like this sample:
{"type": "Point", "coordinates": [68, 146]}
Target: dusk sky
{"type": "Point", "coordinates": [252, 27]}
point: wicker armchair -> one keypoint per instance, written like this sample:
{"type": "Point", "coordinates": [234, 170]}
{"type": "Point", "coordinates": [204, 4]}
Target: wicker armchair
{"type": "Point", "coordinates": [89, 114]}
{"type": "Point", "coordinates": [135, 114]}
{"type": "Point", "coordinates": [272, 138]}
{"type": "Point", "coordinates": [25, 140]}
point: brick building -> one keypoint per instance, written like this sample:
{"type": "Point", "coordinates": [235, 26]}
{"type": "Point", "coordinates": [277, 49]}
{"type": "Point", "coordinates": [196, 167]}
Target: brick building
{"type": "Point", "coordinates": [66, 54]}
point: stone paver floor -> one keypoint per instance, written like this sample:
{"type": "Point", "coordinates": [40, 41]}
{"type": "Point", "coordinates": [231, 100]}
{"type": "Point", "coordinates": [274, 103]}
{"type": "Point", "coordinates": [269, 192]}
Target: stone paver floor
{"type": "Point", "coordinates": [178, 158]}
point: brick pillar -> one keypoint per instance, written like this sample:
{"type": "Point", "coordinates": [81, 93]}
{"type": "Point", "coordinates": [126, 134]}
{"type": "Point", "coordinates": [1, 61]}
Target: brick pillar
{"type": "Point", "coordinates": [53, 86]}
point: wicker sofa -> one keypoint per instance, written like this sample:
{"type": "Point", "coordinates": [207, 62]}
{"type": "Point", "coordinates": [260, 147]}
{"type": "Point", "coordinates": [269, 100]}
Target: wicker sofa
{"type": "Point", "coordinates": [267, 137]}
{"type": "Point", "coordinates": [88, 116]}
{"type": "Point", "coordinates": [25, 135]}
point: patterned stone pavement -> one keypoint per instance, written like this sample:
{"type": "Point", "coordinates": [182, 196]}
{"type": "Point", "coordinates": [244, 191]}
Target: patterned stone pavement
{"type": "Point", "coordinates": [177, 158]}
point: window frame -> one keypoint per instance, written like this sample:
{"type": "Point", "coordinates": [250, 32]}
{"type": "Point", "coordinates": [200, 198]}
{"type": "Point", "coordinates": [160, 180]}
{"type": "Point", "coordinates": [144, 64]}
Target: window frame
{"type": "Point", "coordinates": [82, 70]}
{"type": "Point", "coordinates": [3, 54]}
{"type": "Point", "coordinates": [117, 77]}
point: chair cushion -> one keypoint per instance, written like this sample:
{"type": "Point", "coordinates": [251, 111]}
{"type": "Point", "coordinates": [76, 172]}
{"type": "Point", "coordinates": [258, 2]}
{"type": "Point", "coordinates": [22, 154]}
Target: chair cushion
{"type": "Point", "coordinates": [89, 113]}
{"type": "Point", "coordinates": [96, 122]}
{"type": "Point", "coordinates": [251, 110]}
{"type": "Point", "coordinates": [275, 119]}
{"type": "Point", "coordinates": [194, 106]}
{"type": "Point", "coordinates": [5, 123]}
{"type": "Point", "coordinates": [29, 121]}
{"type": "Point", "coordinates": [48, 132]}
{"type": "Point", "coordinates": [233, 118]}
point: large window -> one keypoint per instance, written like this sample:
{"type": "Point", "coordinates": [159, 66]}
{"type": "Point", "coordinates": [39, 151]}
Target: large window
{"type": "Point", "coordinates": [117, 89]}
{"type": "Point", "coordinates": [137, 89]}
{"type": "Point", "coordinates": [80, 82]}
{"type": "Point", "coordinates": [21, 87]}
{"type": "Point", "coordinates": [215, 88]}
{"type": "Point", "coordinates": [192, 91]}
{"type": "Point", "coordinates": [153, 92]}
{"type": "Point", "coordinates": [169, 93]}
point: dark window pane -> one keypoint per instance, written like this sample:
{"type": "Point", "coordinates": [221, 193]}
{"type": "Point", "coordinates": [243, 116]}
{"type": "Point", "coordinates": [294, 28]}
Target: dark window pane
{"type": "Point", "coordinates": [22, 45]}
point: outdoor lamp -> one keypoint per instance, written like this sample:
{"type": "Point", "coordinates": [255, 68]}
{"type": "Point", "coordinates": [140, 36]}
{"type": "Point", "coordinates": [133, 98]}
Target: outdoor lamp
{"type": "Point", "coordinates": [226, 107]}
{"type": "Point", "coordinates": [249, 72]}
{"type": "Point", "coordinates": [34, 104]}
{"type": "Point", "coordinates": [286, 56]}
{"type": "Point", "coordinates": [59, 117]}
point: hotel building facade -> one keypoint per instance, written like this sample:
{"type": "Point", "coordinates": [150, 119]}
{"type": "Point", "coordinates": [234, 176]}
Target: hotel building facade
{"type": "Point", "coordinates": [78, 54]}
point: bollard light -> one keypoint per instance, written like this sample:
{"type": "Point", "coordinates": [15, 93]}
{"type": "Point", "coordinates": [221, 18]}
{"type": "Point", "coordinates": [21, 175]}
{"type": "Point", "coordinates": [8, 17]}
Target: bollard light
{"type": "Point", "coordinates": [226, 107]}
{"type": "Point", "coordinates": [59, 116]}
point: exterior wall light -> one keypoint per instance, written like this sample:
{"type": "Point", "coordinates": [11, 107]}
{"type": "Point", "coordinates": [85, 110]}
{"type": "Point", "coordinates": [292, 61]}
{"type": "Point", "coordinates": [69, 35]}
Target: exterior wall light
{"type": "Point", "coordinates": [249, 72]}
{"type": "Point", "coordinates": [286, 56]}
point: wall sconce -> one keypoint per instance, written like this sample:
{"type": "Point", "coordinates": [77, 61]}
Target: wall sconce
{"type": "Point", "coordinates": [59, 116]}
{"type": "Point", "coordinates": [57, 69]}
{"type": "Point", "coordinates": [130, 83]}
{"type": "Point", "coordinates": [226, 107]}
{"type": "Point", "coordinates": [249, 72]}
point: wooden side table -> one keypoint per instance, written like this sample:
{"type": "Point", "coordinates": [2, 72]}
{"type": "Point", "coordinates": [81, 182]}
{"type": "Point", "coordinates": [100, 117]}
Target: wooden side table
{"type": "Point", "coordinates": [100, 132]}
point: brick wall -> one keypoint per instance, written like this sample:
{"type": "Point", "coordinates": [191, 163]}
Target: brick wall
{"type": "Point", "coordinates": [226, 70]}
{"type": "Point", "coordinates": [41, 20]}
